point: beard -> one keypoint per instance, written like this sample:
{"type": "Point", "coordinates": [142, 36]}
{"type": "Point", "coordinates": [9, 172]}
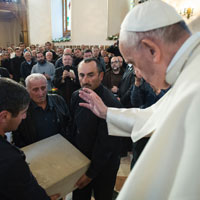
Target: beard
{"type": "Point", "coordinates": [42, 62]}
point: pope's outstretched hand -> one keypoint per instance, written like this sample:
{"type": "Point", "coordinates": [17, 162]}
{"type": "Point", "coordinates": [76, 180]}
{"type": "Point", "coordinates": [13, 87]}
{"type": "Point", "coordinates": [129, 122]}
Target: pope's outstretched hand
{"type": "Point", "coordinates": [93, 102]}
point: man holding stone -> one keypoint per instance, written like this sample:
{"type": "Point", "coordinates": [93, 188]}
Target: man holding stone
{"type": "Point", "coordinates": [17, 181]}
{"type": "Point", "coordinates": [155, 39]}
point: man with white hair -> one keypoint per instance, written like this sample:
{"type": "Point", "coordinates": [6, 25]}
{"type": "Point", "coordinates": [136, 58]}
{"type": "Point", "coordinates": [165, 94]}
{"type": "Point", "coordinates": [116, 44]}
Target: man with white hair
{"type": "Point", "coordinates": [155, 39]}
{"type": "Point", "coordinates": [47, 114]}
{"type": "Point", "coordinates": [49, 57]}
{"type": "Point", "coordinates": [27, 65]}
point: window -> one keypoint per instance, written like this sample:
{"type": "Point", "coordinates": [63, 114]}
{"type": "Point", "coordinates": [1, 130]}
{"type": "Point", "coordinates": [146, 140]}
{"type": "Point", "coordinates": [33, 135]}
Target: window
{"type": "Point", "coordinates": [66, 17]}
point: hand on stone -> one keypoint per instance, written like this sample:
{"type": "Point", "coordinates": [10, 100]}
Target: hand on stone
{"type": "Point", "coordinates": [94, 102]}
{"type": "Point", "coordinates": [54, 197]}
{"type": "Point", "coordinates": [83, 181]}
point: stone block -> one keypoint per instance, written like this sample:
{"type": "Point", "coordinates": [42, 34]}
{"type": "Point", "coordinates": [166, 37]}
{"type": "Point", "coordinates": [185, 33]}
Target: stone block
{"type": "Point", "coordinates": [56, 164]}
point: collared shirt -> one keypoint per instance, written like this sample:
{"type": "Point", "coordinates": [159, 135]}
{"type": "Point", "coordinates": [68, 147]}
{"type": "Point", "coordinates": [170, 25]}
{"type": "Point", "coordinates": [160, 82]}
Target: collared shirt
{"type": "Point", "coordinates": [182, 50]}
{"type": "Point", "coordinates": [45, 121]}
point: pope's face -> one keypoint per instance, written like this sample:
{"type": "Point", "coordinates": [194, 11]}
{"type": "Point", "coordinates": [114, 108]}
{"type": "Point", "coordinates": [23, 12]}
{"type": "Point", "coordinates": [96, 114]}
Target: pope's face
{"type": "Point", "coordinates": [142, 60]}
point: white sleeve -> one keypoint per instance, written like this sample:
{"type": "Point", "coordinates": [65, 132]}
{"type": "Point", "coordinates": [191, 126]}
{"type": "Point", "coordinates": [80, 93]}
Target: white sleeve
{"type": "Point", "coordinates": [127, 122]}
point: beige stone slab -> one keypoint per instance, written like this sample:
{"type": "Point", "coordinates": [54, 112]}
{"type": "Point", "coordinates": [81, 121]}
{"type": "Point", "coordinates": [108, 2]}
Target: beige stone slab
{"type": "Point", "coordinates": [56, 164]}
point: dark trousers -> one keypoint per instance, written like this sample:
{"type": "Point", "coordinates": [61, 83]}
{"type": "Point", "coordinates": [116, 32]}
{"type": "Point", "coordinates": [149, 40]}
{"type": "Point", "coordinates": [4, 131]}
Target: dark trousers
{"type": "Point", "coordinates": [102, 186]}
{"type": "Point", "coordinates": [137, 149]}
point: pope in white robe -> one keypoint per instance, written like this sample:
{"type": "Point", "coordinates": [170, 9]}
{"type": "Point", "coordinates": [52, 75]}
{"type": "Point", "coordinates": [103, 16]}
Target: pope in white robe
{"type": "Point", "coordinates": [168, 166]}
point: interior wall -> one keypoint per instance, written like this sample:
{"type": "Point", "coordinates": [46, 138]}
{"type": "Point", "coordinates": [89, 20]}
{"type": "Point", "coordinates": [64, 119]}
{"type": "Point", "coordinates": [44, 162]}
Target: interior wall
{"type": "Point", "coordinates": [93, 21]}
{"type": "Point", "coordinates": [89, 21]}
{"type": "Point", "coordinates": [194, 21]}
{"type": "Point", "coordinates": [10, 32]}
{"type": "Point", "coordinates": [39, 21]}
{"type": "Point", "coordinates": [117, 10]}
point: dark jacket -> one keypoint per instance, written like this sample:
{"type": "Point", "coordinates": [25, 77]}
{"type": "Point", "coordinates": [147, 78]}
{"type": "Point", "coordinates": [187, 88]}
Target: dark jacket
{"type": "Point", "coordinates": [26, 133]}
{"type": "Point", "coordinates": [25, 69]}
{"type": "Point", "coordinates": [15, 67]}
{"type": "Point", "coordinates": [6, 63]}
{"type": "Point", "coordinates": [125, 86]}
{"type": "Point", "coordinates": [59, 63]}
{"type": "Point", "coordinates": [110, 79]}
{"type": "Point", "coordinates": [4, 72]}
{"type": "Point", "coordinates": [17, 181]}
{"type": "Point", "coordinates": [144, 96]}
{"type": "Point", "coordinates": [69, 86]}
{"type": "Point", "coordinates": [89, 134]}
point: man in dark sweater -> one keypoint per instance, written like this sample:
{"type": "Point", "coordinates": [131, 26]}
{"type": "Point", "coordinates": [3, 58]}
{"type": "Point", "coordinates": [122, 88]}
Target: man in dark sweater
{"type": "Point", "coordinates": [16, 64]}
{"type": "Point", "coordinates": [27, 65]}
{"type": "Point", "coordinates": [90, 136]}
{"type": "Point", "coordinates": [17, 181]}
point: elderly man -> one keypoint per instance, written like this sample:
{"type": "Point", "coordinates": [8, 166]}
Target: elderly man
{"type": "Point", "coordinates": [17, 181]}
{"type": "Point", "coordinates": [44, 67]}
{"type": "Point", "coordinates": [155, 39]}
{"type": "Point", "coordinates": [59, 61]}
{"type": "Point", "coordinates": [66, 78]}
{"type": "Point", "coordinates": [47, 114]}
{"type": "Point", "coordinates": [27, 65]}
{"type": "Point", "coordinates": [49, 57]}
{"type": "Point", "coordinates": [90, 136]}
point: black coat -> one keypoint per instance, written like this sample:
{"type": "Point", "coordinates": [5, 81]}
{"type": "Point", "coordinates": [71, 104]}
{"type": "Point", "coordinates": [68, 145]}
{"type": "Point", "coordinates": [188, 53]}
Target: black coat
{"type": "Point", "coordinates": [25, 69]}
{"type": "Point", "coordinates": [89, 134]}
{"type": "Point", "coordinates": [69, 86]}
{"type": "Point", "coordinates": [6, 63]}
{"type": "Point", "coordinates": [4, 72]}
{"type": "Point", "coordinates": [26, 133]}
{"type": "Point", "coordinates": [15, 67]}
{"type": "Point", "coordinates": [17, 181]}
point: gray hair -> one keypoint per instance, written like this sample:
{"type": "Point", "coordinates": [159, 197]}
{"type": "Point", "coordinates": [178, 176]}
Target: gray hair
{"type": "Point", "coordinates": [27, 52]}
{"type": "Point", "coordinates": [35, 76]}
{"type": "Point", "coordinates": [167, 34]}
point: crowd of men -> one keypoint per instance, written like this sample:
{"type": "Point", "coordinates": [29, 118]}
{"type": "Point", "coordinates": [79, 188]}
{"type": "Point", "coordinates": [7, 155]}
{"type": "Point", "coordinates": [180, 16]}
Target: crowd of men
{"type": "Point", "coordinates": [52, 111]}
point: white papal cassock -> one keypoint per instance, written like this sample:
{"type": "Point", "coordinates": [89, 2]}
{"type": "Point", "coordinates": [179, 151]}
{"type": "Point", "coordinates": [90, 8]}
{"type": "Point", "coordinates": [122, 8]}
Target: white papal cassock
{"type": "Point", "coordinates": [168, 168]}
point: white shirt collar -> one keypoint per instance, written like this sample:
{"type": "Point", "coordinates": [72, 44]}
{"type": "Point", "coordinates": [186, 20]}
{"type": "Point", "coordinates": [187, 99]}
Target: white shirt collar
{"type": "Point", "coordinates": [181, 57]}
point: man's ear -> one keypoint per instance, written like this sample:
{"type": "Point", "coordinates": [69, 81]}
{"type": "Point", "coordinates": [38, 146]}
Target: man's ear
{"type": "Point", "coordinates": [4, 116]}
{"type": "Point", "coordinates": [101, 74]}
{"type": "Point", "coordinates": [153, 49]}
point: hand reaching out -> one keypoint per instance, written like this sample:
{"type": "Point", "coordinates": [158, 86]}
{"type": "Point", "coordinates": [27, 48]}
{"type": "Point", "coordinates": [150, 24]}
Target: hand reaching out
{"type": "Point", "coordinates": [94, 102]}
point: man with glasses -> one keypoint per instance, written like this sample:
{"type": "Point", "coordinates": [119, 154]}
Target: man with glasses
{"type": "Point", "coordinates": [113, 76]}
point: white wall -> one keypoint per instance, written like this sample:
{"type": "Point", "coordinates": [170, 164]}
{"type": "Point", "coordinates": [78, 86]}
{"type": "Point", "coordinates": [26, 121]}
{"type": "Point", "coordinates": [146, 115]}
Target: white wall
{"type": "Point", "coordinates": [91, 24]}
{"type": "Point", "coordinates": [89, 21]}
{"type": "Point", "coordinates": [193, 21]}
{"type": "Point", "coordinates": [117, 11]}
{"type": "Point", "coordinates": [10, 32]}
{"type": "Point", "coordinates": [39, 21]}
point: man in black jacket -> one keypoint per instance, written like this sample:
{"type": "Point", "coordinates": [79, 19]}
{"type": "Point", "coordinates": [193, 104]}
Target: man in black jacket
{"type": "Point", "coordinates": [17, 181]}
{"type": "Point", "coordinates": [27, 65]}
{"type": "Point", "coordinates": [90, 136]}
{"type": "Point", "coordinates": [66, 78]}
{"type": "Point", "coordinates": [47, 114]}
{"type": "Point", "coordinates": [16, 64]}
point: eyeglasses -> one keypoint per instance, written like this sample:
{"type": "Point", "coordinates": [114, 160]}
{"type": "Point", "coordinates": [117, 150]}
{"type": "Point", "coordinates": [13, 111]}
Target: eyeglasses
{"type": "Point", "coordinates": [114, 62]}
